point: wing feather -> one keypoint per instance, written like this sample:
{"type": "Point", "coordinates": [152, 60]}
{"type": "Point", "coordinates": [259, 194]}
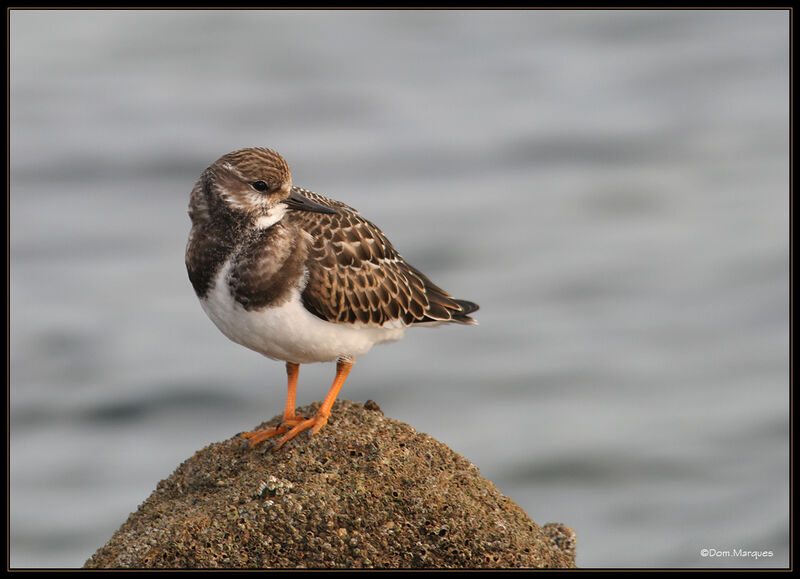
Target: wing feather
{"type": "Point", "coordinates": [355, 275]}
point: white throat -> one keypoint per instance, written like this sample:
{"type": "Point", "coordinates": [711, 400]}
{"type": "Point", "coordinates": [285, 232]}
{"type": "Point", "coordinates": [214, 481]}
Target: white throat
{"type": "Point", "coordinates": [274, 215]}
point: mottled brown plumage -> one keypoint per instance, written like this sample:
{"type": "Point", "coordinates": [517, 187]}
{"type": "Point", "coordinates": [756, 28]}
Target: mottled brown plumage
{"type": "Point", "coordinates": [357, 276]}
{"type": "Point", "coordinates": [300, 277]}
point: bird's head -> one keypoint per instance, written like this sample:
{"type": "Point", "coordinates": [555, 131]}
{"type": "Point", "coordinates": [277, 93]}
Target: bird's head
{"type": "Point", "coordinates": [254, 184]}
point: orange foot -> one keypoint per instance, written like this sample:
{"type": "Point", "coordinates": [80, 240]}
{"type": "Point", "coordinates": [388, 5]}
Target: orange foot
{"type": "Point", "coordinates": [290, 419]}
{"type": "Point", "coordinates": [258, 436]}
{"type": "Point", "coordinates": [292, 425]}
{"type": "Point", "coordinates": [314, 423]}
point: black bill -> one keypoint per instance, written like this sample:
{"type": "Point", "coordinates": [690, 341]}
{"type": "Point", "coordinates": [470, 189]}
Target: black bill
{"type": "Point", "coordinates": [297, 200]}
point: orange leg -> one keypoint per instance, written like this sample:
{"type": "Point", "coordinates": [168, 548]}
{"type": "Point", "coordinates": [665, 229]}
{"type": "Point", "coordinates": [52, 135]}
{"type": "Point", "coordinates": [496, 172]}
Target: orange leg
{"type": "Point", "coordinates": [290, 419]}
{"type": "Point", "coordinates": [320, 419]}
{"type": "Point", "coordinates": [292, 372]}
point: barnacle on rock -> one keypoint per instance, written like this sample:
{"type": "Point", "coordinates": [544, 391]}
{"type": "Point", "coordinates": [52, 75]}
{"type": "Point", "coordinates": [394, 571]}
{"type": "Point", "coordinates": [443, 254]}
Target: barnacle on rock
{"type": "Point", "coordinates": [367, 491]}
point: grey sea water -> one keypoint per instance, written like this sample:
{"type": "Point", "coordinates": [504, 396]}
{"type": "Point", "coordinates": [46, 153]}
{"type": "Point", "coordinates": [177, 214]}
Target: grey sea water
{"type": "Point", "coordinates": [610, 186]}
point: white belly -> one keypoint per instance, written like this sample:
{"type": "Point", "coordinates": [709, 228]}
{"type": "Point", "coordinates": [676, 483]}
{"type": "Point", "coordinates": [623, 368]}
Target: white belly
{"type": "Point", "coordinates": [290, 332]}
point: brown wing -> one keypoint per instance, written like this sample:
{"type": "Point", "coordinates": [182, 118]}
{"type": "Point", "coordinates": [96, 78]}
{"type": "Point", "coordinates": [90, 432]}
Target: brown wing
{"type": "Point", "coordinates": [356, 276]}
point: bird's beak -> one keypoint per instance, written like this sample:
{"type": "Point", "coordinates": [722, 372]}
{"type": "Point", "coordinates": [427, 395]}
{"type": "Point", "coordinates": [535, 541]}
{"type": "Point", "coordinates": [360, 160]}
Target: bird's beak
{"type": "Point", "coordinates": [302, 203]}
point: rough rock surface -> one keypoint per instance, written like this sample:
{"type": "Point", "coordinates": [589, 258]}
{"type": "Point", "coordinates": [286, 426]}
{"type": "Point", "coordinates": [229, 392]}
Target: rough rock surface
{"type": "Point", "coordinates": [366, 491]}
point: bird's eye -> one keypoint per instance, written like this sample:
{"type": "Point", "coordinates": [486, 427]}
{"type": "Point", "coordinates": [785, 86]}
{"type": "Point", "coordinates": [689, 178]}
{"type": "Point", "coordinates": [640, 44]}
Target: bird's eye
{"type": "Point", "coordinates": [260, 186]}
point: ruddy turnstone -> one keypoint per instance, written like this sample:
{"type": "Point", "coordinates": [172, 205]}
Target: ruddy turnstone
{"type": "Point", "coordinates": [300, 277]}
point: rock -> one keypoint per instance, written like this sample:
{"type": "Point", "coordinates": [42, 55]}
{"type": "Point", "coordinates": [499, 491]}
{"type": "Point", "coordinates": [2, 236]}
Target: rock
{"type": "Point", "coordinates": [366, 491]}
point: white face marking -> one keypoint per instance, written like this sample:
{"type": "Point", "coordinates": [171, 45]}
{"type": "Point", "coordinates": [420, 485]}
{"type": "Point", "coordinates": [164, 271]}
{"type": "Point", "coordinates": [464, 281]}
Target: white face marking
{"type": "Point", "coordinates": [274, 215]}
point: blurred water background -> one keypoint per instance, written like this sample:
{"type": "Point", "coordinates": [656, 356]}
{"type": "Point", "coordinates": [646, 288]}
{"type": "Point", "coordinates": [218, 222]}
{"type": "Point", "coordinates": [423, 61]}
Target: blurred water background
{"type": "Point", "coordinates": [610, 186]}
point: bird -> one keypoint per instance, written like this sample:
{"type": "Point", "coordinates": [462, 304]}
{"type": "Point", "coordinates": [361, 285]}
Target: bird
{"type": "Point", "coordinates": [300, 278]}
